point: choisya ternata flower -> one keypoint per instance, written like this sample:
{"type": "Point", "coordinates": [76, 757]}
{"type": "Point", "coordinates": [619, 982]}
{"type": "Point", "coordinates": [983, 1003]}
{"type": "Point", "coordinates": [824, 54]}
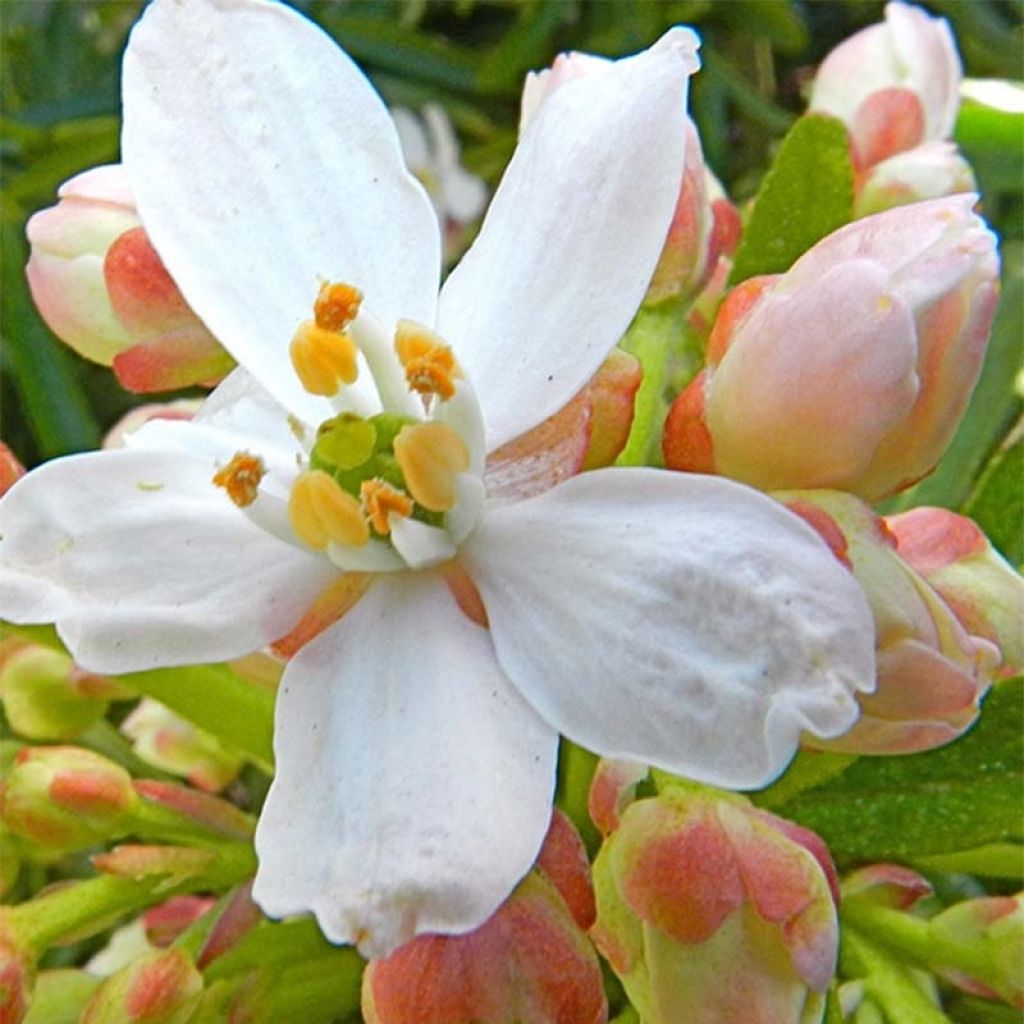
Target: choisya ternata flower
{"type": "Point", "coordinates": [675, 620]}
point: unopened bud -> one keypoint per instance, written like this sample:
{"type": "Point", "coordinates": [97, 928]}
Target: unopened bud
{"type": "Point", "coordinates": [932, 673]}
{"type": "Point", "coordinates": [164, 740]}
{"type": "Point", "coordinates": [529, 962]}
{"type": "Point", "coordinates": [11, 470]}
{"type": "Point", "coordinates": [709, 910]}
{"type": "Point", "coordinates": [46, 698]}
{"type": "Point", "coordinates": [66, 798]}
{"type": "Point", "coordinates": [103, 290]}
{"type": "Point", "coordinates": [160, 988]}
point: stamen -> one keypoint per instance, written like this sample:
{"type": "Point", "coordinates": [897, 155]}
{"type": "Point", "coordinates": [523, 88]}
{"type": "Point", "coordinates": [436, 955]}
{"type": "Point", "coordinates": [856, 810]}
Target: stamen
{"type": "Point", "coordinates": [241, 478]}
{"type": "Point", "coordinates": [337, 305]}
{"type": "Point", "coordinates": [430, 366]}
{"type": "Point", "coordinates": [322, 513]}
{"type": "Point", "coordinates": [380, 500]}
{"type": "Point", "coordinates": [430, 456]}
{"type": "Point", "coordinates": [323, 359]}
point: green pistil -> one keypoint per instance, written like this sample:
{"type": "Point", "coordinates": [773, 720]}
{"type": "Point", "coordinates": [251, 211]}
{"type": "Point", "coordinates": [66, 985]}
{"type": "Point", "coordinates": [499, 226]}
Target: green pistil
{"type": "Point", "coordinates": [353, 450]}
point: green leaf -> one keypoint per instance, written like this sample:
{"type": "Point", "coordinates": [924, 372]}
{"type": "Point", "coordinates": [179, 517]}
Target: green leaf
{"type": "Point", "coordinates": [775, 21]}
{"type": "Point", "coordinates": [806, 194]}
{"type": "Point", "coordinates": [993, 142]}
{"type": "Point", "coordinates": [994, 860]}
{"type": "Point", "coordinates": [528, 45]}
{"type": "Point", "coordinates": [997, 504]}
{"type": "Point", "coordinates": [993, 408]}
{"type": "Point", "coordinates": [52, 397]}
{"type": "Point", "coordinates": [961, 796]}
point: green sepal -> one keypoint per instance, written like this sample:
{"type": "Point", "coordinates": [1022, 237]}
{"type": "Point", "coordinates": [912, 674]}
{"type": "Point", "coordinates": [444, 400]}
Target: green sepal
{"type": "Point", "coordinates": [806, 195]}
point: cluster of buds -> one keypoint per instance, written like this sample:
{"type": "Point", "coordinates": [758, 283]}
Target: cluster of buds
{"type": "Point", "coordinates": [896, 87]}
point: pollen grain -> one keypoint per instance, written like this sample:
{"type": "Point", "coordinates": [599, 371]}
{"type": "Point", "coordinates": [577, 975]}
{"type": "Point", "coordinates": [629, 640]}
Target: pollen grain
{"type": "Point", "coordinates": [241, 478]}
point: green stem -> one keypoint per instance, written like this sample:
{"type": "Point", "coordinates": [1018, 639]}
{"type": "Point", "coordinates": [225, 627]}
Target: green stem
{"type": "Point", "coordinates": [809, 769]}
{"type": "Point", "coordinates": [651, 338]}
{"type": "Point", "coordinates": [575, 771]}
{"type": "Point", "coordinates": [886, 981]}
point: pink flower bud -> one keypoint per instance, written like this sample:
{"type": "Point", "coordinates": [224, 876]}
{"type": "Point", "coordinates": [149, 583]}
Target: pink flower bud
{"type": "Point", "coordinates": [887, 885]}
{"type": "Point", "coordinates": [930, 171]}
{"type": "Point", "coordinates": [66, 798]}
{"type": "Point", "coordinates": [103, 290]}
{"type": "Point", "coordinates": [530, 963]}
{"type": "Point", "coordinates": [710, 910]}
{"type": "Point", "coordinates": [852, 369]}
{"type": "Point", "coordinates": [45, 697]}
{"type": "Point", "coordinates": [895, 84]}
{"type": "Point", "coordinates": [165, 922]}
{"type": "Point", "coordinates": [180, 409]}
{"type": "Point", "coordinates": [955, 557]}
{"type": "Point", "coordinates": [17, 977]}
{"type": "Point", "coordinates": [164, 740]}
{"type": "Point", "coordinates": [932, 673]}
{"type": "Point", "coordinates": [160, 988]}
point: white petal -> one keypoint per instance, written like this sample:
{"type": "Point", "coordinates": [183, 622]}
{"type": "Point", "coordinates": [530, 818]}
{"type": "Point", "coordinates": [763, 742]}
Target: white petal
{"type": "Point", "coordinates": [413, 785]}
{"type": "Point", "coordinates": [142, 563]}
{"type": "Point", "coordinates": [374, 556]}
{"type": "Point", "coordinates": [261, 161]}
{"type": "Point", "coordinates": [571, 239]}
{"type": "Point", "coordinates": [683, 621]}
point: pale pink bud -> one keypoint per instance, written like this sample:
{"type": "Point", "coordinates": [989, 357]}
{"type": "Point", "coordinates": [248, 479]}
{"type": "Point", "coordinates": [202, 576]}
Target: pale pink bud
{"type": "Point", "coordinates": [895, 84]}
{"type": "Point", "coordinates": [530, 963]}
{"type": "Point", "coordinates": [103, 290]}
{"type": "Point", "coordinates": [930, 171]}
{"type": "Point", "coordinates": [159, 988]}
{"type": "Point", "coordinates": [66, 798]}
{"type": "Point", "coordinates": [886, 885]}
{"type": "Point", "coordinates": [165, 740]}
{"type": "Point", "coordinates": [710, 910]}
{"type": "Point", "coordinates": [932, 673]}
{"type": "Point", "coordinates": [166, 921]}
{"type": "Point", "coordinates": [612, 789]}
{"type": "Point", "coordinates": [852, 369]}
{"type": "Point", "coordinates": [952, 553]}
{"type": "Point", "coordinates": [17, 975]}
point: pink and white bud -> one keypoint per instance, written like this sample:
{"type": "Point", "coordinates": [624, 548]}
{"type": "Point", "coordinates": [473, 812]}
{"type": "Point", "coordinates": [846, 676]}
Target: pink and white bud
{"type": "Point", "coordinates": [956, 558]}
{"type": "Point", "coordinates": [932, 673]}
{"type": "Point", "coordinates": [710, 910]}
{"type": "Point", "coordinates": [852, 369]}
{"type": "Point", "coordinates": [160, 988]}
{"type": "Point", "coordinates": [930, 171]}
{"type": "Point", "coordinates": [895, 84]}
{"type": "Point", "coordinates": [45, 696]}
{"type": "Point", "coordinates": [530, 963]}
{"type": "Point", "coordinates": [66, 798]}
{"type": "Point", "coordinates": [165, 740]}
{"type": "Point", "coordinates": [102, 289]}
{"type": "Point", "coordinates": [886, 885]}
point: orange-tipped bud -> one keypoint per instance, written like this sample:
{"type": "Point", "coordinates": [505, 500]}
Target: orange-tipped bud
{"type": "Point", "coordinates": [161, 988]}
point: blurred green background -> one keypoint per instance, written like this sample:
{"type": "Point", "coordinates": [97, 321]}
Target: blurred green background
{"type": "Point", "coordinates": [60, 60]}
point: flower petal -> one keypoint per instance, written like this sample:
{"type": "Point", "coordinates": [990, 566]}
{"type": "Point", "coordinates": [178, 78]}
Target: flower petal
{"type": "Point", "coordinates": [571, 238]}
{"type": "Point", "coordinates": [414, 784]}
{"type": "Point", "coordinates": [684, 621]}
{"type": "Point", "coordinates": [261, 160]}
{"type": "Point", "coordinates": [143, 563]}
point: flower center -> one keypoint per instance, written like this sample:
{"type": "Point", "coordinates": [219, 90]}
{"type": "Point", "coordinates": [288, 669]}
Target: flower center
{"type": "Point", "coordinates": [377, 490]}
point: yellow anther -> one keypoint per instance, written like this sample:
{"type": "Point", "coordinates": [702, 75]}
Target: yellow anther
{"type": "Point", "coordinates": [381, 500]}
{"type": "Point", "coordinates": [324, 360]}
{"type": "Point", "coordinates": [430, 456]}
{"type": "Point", "coordinates": [321, 512]}
{"type": "Point", "coordinates": [430, 366]}
{"type": "Point", "coordinates": [336, 306]}
{"type": "Point", "coordinates": [241, 478]}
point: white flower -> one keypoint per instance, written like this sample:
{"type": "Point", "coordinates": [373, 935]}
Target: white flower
{"type": "Point", "coordinates": [431, 151]}
{"type": "Point", "coordinates": [684, 621]}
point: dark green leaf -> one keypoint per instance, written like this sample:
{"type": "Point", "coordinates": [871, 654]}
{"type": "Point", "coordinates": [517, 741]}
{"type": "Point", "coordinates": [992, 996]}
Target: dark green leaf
{"type": "Point", "coordinates": [960, 796]}
{"type": "Point", "coordinates": [807, 194]}
{"type": "Point", "coordinates": [997, 504]}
